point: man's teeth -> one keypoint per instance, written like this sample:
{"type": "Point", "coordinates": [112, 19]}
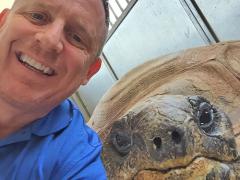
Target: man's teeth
{"type": "Point", "coordinates": [31, 62]}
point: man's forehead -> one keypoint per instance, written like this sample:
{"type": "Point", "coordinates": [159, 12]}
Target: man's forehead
{"type": "Point", "coordinates": [61, 2]}
{"type": "Point", "coordinates": [97, 6]}
{"type": "Point", "coordinates": [83, 10]}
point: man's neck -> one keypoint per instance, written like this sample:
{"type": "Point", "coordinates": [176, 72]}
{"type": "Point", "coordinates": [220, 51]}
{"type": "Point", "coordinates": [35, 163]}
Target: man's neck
{"type": "Point", "coordinates": [12, 118]}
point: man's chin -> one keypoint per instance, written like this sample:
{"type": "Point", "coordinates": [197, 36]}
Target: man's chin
{"type": "Point", "coordinates": [28, 101]}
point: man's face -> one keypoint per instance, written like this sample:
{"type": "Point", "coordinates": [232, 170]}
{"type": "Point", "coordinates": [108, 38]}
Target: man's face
{"type": "Point", "coordinates": [47, 49]}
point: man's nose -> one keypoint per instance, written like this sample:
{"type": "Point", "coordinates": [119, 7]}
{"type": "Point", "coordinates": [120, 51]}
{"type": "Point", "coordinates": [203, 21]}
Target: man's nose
{"type": "Point", "coordinates": [50, 38]}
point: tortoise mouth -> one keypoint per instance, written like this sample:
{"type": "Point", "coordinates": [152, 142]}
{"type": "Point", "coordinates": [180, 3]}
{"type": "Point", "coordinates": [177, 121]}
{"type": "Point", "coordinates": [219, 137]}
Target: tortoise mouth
{"type": "Point", "coordinates": [200, 167]}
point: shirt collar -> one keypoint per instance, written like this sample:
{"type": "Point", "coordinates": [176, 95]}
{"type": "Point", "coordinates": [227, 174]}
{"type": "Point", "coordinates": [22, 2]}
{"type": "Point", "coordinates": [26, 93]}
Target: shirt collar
{"type": "Point", "coordinates": [54, 121]}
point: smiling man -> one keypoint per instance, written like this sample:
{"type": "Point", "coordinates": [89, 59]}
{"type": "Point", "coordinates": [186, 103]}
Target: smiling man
{"type": "Point", "coordinates": [48, 49]}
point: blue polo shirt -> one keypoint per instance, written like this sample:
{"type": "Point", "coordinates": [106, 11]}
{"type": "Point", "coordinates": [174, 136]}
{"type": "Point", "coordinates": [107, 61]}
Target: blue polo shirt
{"type": "Point", "coordinates": [57, 146]}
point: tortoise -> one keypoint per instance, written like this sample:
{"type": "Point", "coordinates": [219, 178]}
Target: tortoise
{"type": "Point", "coordinates": [174, 117]}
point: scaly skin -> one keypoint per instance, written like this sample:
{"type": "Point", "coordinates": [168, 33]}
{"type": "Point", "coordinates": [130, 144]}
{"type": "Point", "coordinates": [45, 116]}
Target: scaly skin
{"type": "Point", "coordinates": [171, 137]}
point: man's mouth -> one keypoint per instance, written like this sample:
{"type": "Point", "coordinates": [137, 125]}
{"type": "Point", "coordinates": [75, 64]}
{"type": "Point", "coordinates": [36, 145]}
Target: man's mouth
{"type": "Point", "coordinates": [34, 65]}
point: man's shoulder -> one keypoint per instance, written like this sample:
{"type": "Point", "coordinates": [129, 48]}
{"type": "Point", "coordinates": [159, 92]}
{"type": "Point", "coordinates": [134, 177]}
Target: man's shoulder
{"type": "Point", "coordinates": [76, 144]}
{"type": "Point", "coordinates": [66, 124]}
{"type": "Point", "coordinates": [65, 131]}
{"type": "Point", "coordinates": [78, 128]}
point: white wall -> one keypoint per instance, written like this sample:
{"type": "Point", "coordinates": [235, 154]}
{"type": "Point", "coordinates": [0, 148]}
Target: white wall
{"type": "Point", "coordinates": [5, 4]}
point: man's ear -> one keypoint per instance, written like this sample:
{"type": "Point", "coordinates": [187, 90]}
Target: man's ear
{"type": "Point", "coordinates": [93, 69]}
{"type": "Point", "coordinates": [3, 16]}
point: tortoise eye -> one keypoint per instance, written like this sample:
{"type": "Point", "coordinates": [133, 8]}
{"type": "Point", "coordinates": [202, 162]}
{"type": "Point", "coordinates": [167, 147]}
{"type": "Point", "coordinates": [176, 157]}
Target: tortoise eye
{"type": "Point", "coordinates": [122, 142]}
{"type": "Point", "coordinates": [205, 115]}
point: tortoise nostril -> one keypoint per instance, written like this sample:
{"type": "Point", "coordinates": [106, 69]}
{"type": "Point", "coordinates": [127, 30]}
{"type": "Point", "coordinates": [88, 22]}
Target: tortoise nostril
{"type": "Point", "coordinates": [176, 137]}
{"type": "Point", "coordinates": [157, 142]}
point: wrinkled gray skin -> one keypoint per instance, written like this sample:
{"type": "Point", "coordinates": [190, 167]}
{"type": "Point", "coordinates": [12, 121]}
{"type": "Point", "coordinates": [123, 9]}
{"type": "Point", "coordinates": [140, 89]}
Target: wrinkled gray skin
{"type": "Point", "coordinates": [166, 134]}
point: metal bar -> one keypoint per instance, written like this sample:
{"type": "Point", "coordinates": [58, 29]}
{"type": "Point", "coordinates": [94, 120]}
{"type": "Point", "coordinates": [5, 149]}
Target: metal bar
{"type": "Point", "coordinates": [111, 9]}
{"type": "Point", "coordinates": [205, 20]}
{"type": "Point", "coordinates": [109, 67]}
{"type": "Point", "coordinates": [121, 18]}
{"type": "Point", "coordinates": [119, 5]}
{"type": "Point", "coordinates": [77, 99]}
{"type": "Point", "coordinates": [111, 23]}
{"type": "Point", "coordinates": [197, 21]}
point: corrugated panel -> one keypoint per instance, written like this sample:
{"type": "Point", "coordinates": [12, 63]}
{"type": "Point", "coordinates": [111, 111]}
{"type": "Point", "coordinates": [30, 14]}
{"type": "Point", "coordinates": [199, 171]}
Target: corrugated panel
{"type": "Point", "coordinates": [151, 29]}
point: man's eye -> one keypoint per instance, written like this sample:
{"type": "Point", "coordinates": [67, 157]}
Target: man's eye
{"type": "Point", "coordinates": [37, 18]}
{"type": "Point", "coordinates": [76, 40]}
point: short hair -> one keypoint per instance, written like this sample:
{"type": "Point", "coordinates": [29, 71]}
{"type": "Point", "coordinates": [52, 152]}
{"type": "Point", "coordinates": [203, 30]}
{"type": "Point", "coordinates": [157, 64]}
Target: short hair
{"type": "Point", "coordinates": [106, 9]}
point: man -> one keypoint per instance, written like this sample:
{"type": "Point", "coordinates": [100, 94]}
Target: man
{"type": "Point", "coordinates": [48, 49]}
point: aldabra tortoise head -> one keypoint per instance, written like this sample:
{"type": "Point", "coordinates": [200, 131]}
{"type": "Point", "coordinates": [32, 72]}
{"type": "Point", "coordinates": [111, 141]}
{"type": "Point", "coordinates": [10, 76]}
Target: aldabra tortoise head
{"type": "Point", "coordinates": [171, 135]}
{"type": "Point", "coordinates": [176, 117]}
